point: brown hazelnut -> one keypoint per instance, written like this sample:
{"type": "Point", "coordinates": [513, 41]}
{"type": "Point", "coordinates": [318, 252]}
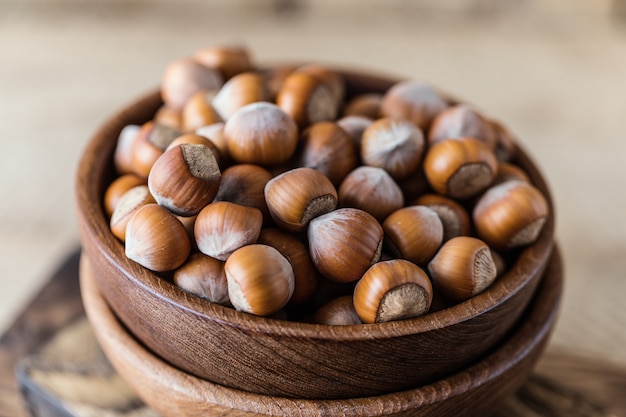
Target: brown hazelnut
{"type": "Point", "coordinates": [460, 168]}
{"type": "Point", "coordinates": [215, 133]}
{"type": "Point", "coordinates": [414, 101]}
{"type": "Point", "coordinates": [299, 195]}
{"type": "Point", "coordinates": [510, 214]}
{"type": "Point", "coordinates": [453, 216]}
{"type": "Point", "coordinates": [261, 133]}
{"type": "Point", "coordinates": [126, 206]}
{"type": "Point", "coordinates": [355, 126]}
{"type": "Point", "coordinates": [185, 77]}
{"type": "Point", "coordinates": [509, 171]}
{"type": "Point", "coordinates": [203, 276]}
{"type": "Point", "coordinates": [199, 111]}
{"type": "Point", "coordinates": [260, 288]}
{"type": "Point", "coordinates": [117, 189]}
{"type": "Point", "coordinates": [228, 60]}
{"type": "Point", "coordinates": [462, 268]}
{"type": "Point", "coordinates": [397, 146]}
{"type": "Point", "coordinates": [123, 154]}
{"type": "Point", "coordinates": [150, 143]}
{"type": "Point", "coordinates": [244, 184]}
{"type": "Point", "coordinates": [414, 233]}
{"type": "Point", "coordinates": [327, 148]}
{"type": "Point", "coordinates": [365, 105]}
{"type": "Point", "coordinates": [331, 78]}
{"type": "Point", "coordinates": [371, 189]}
{"type": "Point", "coordinates": [307, 99]}
{"type": "Point", "coordinates": [461, 121]}
{"type": "Point", "coordinates": [337, 312]}
{"type": "Point", "coordinates": [168, 117]}
{"type": "Point", "coordinates": [344, 243]}
{"type": "Point", "coordinates": [223, 227]}
{"type": "Point", "coordinates": [185, 179]}
{"type": "Point", "coordinates": [156, 240]}
{"type": "Point", "coordinates": [392, 290]}
{"type": "Point", "coordinates": [195, 139]}
{"type": "Point", "coordinates": [242, 89]}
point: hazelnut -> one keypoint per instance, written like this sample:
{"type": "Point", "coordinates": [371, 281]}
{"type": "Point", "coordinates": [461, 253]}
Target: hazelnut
{"type": "Point", "coordinates": [185, 77]}
{"type": "Point", "coordinates": [123, 154]}
{"type": "Point", "coordinates": [331, 78]}
{"type": "Point", "coordinates": [327, 148]}
{"type": "Point", "coordinates": [215, 133]}
{"type": "Point", "coordinates": [414, 101]}
{"type": "Point", "coordinates": [203, 276]}
{"type": "Point", "coordinates": [297, 253]}
{"type": "Point", "coordinates": [244, 184]}
{"type": "Point", "coordinates": [117, 189]}
{"type": "Point", "coordinates": [307, 99]}
{"type": "Point", "coordinates": [453, 216]}
{"type": "Point", "coordinates": [228, 60]}
{"type": "Point", "coordinates": [371, 189]}
{"type": "Point", "coordinates": [462, 268]}
{"type": "Point", "coordinates": [392, 290]}
{"type": "Point", "coordinates": [414, 233]}
{"type": "Point", "coordinates": [299, 195]}
{"type": "Point", "coordinates": [396, 146]}
{"type": "Point", "coordinates": [344, 243]}
{"type": "Point", "coordinates": [460, 168]}
{"type": "Point", "coordinates": [126, 206]}
{"type": "Point", "coordinates": [242, 89]}
{"type": "Point", "coordinates": [196, 139]}
{"type": "Point", "coordinates": [260, 288]}
{"type": "Point", "coordinates": [510, 214]}
{"type": "Point", "coordinates": [156, 240]}
{"type": "Point", "coordinates": [461, 121]}
{"type": "Point", "coordinates": [199, 111]}
{"type": "Point", "coordinates": [509, 171]}
{"type": "Point", "coordinates": [261, 133]}
{"type": "Point", "coordinates": [168, 117]}
{"type": "Point", "coordinates": [150, 143]}
{"type": "Point", "coordinates": [355, 126]}
{"type": "Point", "coordinates": [365, 105]}
{"type": "Point", "coordinates": [337, 312]}
{"type": "Point", "coordinates": [275, 78]}
{"type": "Point", "coordinates": [185, 179]}
{"type": "Point", "coordinates": [505, 148]}
{"type": "Point", "coordinates": [223, 227]}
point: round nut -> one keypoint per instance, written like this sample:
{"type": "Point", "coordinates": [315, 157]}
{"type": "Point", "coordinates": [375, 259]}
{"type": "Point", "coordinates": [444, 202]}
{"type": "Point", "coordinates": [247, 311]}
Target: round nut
{"type": "Point", "coordinates": [123, 154]}
{"type": "Point", "coordinates": [508, 171]}
{"type": "Point", "coordinates": [261, 133]}
{"type": "Point", "coordinates": [414, 101]}
{"type": "Point", "coordinates": [126, 206]}
{"type": "Point", "coordinates": [337, 312]}
{"type": "Point", "coordinates": [414, 233]}
{"type": "Point", "coordinates": [331, 78]}
{"type": "Point", "coordinates": [460, 168]}
{"type": "Point", "coordinates": [510, 215]}
{"type": "Point", "coordinates": [354, 127]}
{"type": "Point", "coordinates": [297, 253]}
{"type": "Point", "coordinates": [344, 243]}
{"type": "Point", "coordinates": [307, 99]}
{"type": "Point", "coordinates": [392, 290]}
{"type": "Point", "coordinates": [396, 146]}
{"type": "Point", "coordinates": [462, 268]}
{"type": "Point", "coordinates": [151, 141]}
{"type": "Point", "coordinates": [365, 105]}
{"type": "Point", "coordinates": [199, 111]}
{"type": "Point", "coordinates": [239, 91]}
{"type": "Point", "coordinates": [222, 227]}
{"type": "Point", "coordinates": [203, 276]}
{"type": "Point", "coordinates": [185, 179]}
{"type": "Point", "coordinates": [185, 77]}
{"type": "Point", "coordinates": [371, 189]}
{"type": "Point", "coordinates": [228, 60]}
{"type": "Point", "coordinates": [196, 139]}
{"type": "Point", "coordinates": [453, 216]}
{"type": "Point", "coordinates": [156, 240]}
{"type": "Point", "coordinates": [168, 117]}
{"type": "Point", "coordinates": [117, 189]}
{"type": "Point", "coordinates": [327, 148]}
{"type": "Point", "coordinates": [244, 184]}
{"type": "Point", "coordinates": [461, 121]}
{"type": "Point", "coordinates": [299, 195]}
{"type": "Point", "coordinates": [260, 288]}
{"type": "Point", "coordinates": [215, 133]}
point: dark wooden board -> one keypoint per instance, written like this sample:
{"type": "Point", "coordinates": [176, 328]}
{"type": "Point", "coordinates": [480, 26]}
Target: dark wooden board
{"type": "Point", "coordinates": [51, 366]}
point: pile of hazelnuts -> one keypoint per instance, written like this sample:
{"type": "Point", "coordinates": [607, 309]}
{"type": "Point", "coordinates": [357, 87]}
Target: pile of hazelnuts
{"type": "Point", "coordinates": [271, 191]}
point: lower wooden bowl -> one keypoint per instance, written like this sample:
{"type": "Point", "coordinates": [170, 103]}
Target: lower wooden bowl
{"type": "Point", "coordinates": [475, 391]}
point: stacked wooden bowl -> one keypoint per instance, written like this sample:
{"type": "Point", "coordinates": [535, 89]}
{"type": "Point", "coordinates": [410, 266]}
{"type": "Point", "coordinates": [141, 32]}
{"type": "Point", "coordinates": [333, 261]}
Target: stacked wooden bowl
{"type": "Point", "coordinates": [188, 357]}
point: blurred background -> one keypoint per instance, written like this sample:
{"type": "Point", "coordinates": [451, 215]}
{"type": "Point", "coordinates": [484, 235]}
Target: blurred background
{"type": "Point", "coordinates": [553, 70]}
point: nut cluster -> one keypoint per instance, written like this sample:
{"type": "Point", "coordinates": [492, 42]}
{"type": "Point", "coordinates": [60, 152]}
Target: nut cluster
{"type": "Point", "coordinates": [277, 193]}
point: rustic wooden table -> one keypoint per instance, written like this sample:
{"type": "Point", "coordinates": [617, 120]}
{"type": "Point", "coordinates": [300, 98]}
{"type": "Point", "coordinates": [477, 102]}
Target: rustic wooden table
{"type": "Point", "coordinates": [61, 371]}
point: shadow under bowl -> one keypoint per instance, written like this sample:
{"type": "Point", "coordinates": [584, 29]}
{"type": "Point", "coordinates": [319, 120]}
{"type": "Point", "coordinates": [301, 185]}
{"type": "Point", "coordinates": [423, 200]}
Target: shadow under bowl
{"type": "Point", "coordinates": [291, 359]}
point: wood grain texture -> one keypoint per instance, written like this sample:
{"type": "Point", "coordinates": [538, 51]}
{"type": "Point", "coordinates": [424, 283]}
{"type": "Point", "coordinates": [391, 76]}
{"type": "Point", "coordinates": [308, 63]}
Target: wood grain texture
{"type": "Point", "coordinates": [313, 361]}
{"type": "Point", "coordinates": [475, 391]}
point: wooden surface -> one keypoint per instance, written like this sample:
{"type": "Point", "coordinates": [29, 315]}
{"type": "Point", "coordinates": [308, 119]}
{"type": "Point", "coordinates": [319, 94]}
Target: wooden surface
{"type": "Point", "coordinates": [562, 385]}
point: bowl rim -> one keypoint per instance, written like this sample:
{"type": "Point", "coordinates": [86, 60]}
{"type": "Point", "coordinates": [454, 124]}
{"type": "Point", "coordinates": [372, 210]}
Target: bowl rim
{"type": "Point", "coordinates": [528, 335]}
{"type": "Point", "coordinates": [96, 164]}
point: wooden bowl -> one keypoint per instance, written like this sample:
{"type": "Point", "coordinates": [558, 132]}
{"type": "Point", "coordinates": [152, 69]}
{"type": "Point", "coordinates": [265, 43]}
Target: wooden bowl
{"type": "Point", "coordinates": [475, 391]}
{"type": "Point", "coordinates": [292, 359]}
